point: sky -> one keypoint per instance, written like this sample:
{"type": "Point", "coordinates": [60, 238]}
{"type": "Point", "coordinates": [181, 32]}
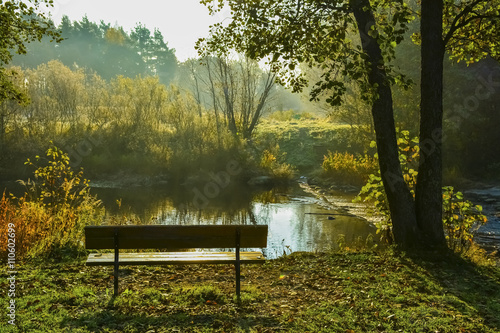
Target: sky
{"type": "Point", "coordinates": [181, 22]}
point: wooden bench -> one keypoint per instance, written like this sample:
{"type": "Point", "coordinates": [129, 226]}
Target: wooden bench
{"type": "Point", "coordinates": [169, 238]}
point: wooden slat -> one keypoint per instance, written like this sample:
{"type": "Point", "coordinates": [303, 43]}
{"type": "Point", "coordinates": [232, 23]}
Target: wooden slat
{"type": "Point", "coordinates": [175, 236]}
{"type": "Point", "coordinates": [174, 258]}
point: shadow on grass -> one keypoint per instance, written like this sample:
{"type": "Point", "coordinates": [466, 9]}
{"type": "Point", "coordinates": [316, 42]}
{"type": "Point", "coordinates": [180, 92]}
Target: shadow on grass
{"type": "Point", "coordinates": [477, 286]}
{"type": "Point", "coordinates": [121, 321]}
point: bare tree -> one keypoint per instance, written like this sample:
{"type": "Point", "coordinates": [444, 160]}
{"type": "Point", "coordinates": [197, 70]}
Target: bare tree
{"type": "Point", "coordinates": [237, 91]}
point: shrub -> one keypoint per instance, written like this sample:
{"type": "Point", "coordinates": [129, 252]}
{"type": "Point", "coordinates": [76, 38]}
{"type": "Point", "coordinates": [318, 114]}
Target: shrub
{"type": "Point", "coordinates": [288, 115]}
{"type": "Point", "coordinates": [461, 219]}
{"type": "Point", "coordinates": [272, 163]}
{"type": "Point", "coordinates": [347, 168]}
{"type": "Point", "coordinates": [50, 217]}
{"type": "Point", "coordinates": [306, 116]}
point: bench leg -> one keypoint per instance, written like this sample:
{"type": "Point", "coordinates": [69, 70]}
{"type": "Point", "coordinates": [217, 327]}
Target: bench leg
{"type": "Point", "coordinates": [115, 282]}
{"type": "Point", "coordinates": [238, 283]}
{"type": "Point", "coordinates": [116, 264]}
{"type": "Point", "coordinates": [237, 264]}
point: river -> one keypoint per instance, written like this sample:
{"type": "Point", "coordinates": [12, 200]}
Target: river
{"type": "Point", "coordinates": [297, 220]}
{"type": "Point", "coordinates": [488, 235]}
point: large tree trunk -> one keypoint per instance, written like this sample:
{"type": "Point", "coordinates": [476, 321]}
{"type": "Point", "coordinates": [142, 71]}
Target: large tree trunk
{"type": "Point", "coordinates": [400, 199]}
{"type": "Point", "coordinates": [2, 131]}
{"type": "Point", "coordinates": [428, 196]}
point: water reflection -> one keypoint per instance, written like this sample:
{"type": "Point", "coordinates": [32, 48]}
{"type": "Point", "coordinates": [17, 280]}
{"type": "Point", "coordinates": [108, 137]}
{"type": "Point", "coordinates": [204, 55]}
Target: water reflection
{"type": "Point", "coordinates": [296, 221]}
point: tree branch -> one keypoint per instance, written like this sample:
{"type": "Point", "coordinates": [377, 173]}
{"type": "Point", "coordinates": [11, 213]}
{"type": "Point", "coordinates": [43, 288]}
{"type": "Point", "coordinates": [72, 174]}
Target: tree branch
{"type": "Point", "coordinates": [455, 25]}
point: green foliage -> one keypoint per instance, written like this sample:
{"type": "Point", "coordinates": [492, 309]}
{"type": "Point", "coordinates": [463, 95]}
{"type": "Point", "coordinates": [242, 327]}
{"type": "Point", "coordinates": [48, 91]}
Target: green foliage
{"type": "Point", "coordinates": [348, 168]}
{"type": "Point", "coordinates": [460, 217]}
{"type": "Point", "coordinates": [471, 30]}
{"type": "Point", "coordinates": [306, 116]}
{"type": "Point", "coordinates": [408, 158]}
{"type": "Point", "coordinates": [373, 191]}
{"type": "Point", "coordinates": [313, 34]}
{"type": "Point", "coordinates": [22, 23]}
{"type": "Point", "coordinates": [56, 185]}
{"type": "Point", "coordinates": [195, 143]}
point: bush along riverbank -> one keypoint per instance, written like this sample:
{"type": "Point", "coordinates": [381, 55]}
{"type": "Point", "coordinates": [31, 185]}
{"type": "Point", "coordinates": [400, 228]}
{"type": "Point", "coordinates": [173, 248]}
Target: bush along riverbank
{"type": "Point", "coordinates": [302, 292]}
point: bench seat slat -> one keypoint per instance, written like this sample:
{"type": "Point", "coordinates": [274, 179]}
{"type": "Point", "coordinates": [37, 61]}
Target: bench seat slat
{"type": "Point", "coordinates": [174, 258]}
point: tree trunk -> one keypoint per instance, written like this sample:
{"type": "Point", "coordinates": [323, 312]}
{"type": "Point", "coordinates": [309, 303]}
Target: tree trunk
{"type": "Point", "coordinates": [400, 199]}
{"type": "Point", "coordinates": [428, 195]}
{"type": "Point", "coordinates": [213, 94]}
{"type": "Point", "coordinates": [2, 131]}
{"type": "Point", "coordinates": [227, 80]}
{"type": "Point", "coordinates": [269, 84]}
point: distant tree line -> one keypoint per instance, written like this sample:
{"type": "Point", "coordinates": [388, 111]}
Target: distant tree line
{"type": "Point", "coordinates": [107, 50]}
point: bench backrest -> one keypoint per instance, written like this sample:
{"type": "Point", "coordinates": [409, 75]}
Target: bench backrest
{"type": "Point", "coordinates": [175, 236]}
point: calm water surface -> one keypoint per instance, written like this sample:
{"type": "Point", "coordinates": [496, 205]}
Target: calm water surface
{"type": "Point", "coordinates": [297, 220]}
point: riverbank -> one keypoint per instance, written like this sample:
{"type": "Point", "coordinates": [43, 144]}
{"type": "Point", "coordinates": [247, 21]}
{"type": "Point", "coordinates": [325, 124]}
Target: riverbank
{"type": "Point", "coordinates": [336, 292]}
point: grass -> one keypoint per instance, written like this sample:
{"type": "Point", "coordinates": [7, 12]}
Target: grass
{"type": "Point", "coordinates": [338, 292]}
{"type": "Point", "coordinates": [305, 142]}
